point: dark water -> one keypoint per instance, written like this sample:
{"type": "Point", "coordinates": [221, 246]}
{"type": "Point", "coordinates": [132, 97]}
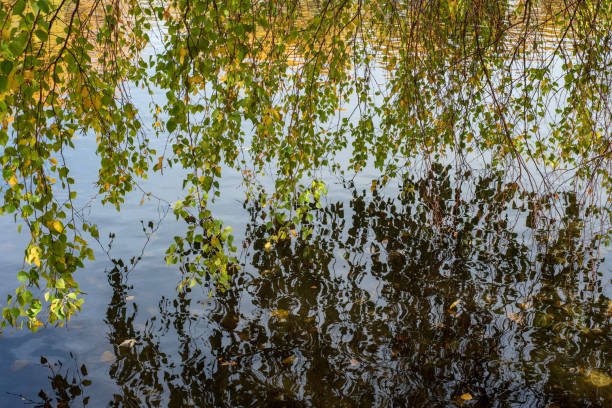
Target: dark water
{"type": "Point", "coordinates": [446, 290]}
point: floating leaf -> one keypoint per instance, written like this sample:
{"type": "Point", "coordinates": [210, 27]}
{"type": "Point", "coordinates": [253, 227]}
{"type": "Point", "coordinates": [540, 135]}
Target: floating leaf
{"type": "Point", "coordinates": [129, 343]}
{"type": "Point", "coordinates": [289, 360]}
{"type": "Point", "coordinates": [455, 303]}
{"type": "Point", "coordinates": [354, 362]}
{"type": "Point", "coordinates": [467, 396]}
{"type": "Point", "coordinates": [526, 305]}
{"type": "Point", "coordinates": [129, 297]}
{"type": "Point", "coordinates": [598, 379]}
{"type": "Point", "coordinates": [19, 365]}
{"type": "Point", "coordinates": [280, 313]}
{"type": "Point", "coordinates": [515, 317]}
{"type": "Point", "coordinates": [107, 357]}
{"type": "Point", "coordinates": [229, 363]}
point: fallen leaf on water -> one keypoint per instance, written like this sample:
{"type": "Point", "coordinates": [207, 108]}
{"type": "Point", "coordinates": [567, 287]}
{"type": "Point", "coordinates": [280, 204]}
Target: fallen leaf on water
{"type": "Point", "coordinates": [455, 303]}
{"type": "Point", "coordinates": [229, 363]}
{"type": "Point", "coordinates": [129, 298]}
{"type": "Point", "coordinates": [526, 305]}
{"type": "Point", "coordinates": [129, 343]}
{"type": "Point", "coordinates": [354, 362]}
{"type": "Point", "coordinates": [598, 379]}
{"type": "Point", "coordinates": [515, 317]}
{"type": "Point", "coordinates": [18, 365]}
{"type": "Point", "coordinates": [467, 396]}
{"type": "Point", "coordinates": [289, 360]}
{"type": "Point", "coordinates": [280, 313]}
{"type": "Point", "coordinates": [107, 357]}
{"type": "Point", "coordinates": [313, 287]}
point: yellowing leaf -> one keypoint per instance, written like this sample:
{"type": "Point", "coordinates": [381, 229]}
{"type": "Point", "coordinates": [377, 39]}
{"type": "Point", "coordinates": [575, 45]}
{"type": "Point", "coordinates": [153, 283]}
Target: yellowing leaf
{"type": "Point", "coordinates": [280, 313]}
{"type": "Point", "coordinates": [268, 246]}
{"type": "Point", "coordinates": [33, 255]}
{"type": "Point", "coordinates": [455, 303]}
{"type": "Point", "coordinates": [58, 226]}
{"type": "Point", "coordinates": [182, 53]}
{"type": "Point", "coordinates": [107, 357]}
{"type": "Point", "coordinates": [598, 379]}
{"type": "Point", "coordinates": [289, 360]}
{"type": "Point", "coordinates": [467, 396]}
{"type": "Point", "coordinates": [129, 343]}
{"type": "Point", "coordinates": [53, 161]}
{"type": "Point", "coordinates": [13, 181]}
{"type": "Point", "coordinates": [515, 317]}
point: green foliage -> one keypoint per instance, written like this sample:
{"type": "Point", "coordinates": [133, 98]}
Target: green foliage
{"type": "Point", "coordinates": [281, 90]}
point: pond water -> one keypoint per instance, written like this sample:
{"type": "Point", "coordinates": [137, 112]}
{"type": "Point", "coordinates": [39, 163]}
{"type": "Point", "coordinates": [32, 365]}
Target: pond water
{"type": "Point", "coordinates": [447, 287]}
{"type": "Point", "coordinates": [438, 291]}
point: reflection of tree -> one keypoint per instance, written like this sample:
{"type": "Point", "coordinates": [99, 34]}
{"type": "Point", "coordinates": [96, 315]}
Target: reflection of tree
{"type": "Point", "coordinates": [364, 312]}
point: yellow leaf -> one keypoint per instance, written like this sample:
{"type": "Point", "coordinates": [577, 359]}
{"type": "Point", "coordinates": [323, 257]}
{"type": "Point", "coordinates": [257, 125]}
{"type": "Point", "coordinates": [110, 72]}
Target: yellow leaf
{"type": "Point", "coordinates": [53, 161]}
{"type": "Point", "coordinates": [289, 360]}
{"type": "Point", "coordinates": [515, 317]}
{"type": "Point", "coordinates": [294, 233]}
{"type": "Point", "coordinates": [33, 255]}
{"type": "Point", "coordinates": [280, 313]}
{"type": "Point", "coordinates": [268, 246]}
{"type": "Point", "coordinates": [58, 226]}
{"type": "Point", "coordinates": [13, 181]}
{"type": "Point", "coordinates": [599, 379]}
{"type": "Point", "coordinates": [455, 303]}
{"type": "Point", "coordinates": [467, 396]}
{"type": "Point", "coordinates": [36, 323]}
{"type": "Point", "coordinates": [182, 54]}
{"type": "Point", "coordinates": [97, 101]}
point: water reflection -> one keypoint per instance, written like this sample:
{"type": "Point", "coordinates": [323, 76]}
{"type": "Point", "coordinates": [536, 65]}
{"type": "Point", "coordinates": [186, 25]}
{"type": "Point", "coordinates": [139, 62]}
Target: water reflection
{"type": "Point", "coordinates": [436, 297]}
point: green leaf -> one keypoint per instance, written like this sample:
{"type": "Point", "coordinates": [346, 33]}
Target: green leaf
{"type": "Point", "coordinates": [23, 276]}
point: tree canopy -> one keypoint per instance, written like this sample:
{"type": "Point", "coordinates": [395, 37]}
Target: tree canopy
{"type": "Point", "coordinates": [288, 90]}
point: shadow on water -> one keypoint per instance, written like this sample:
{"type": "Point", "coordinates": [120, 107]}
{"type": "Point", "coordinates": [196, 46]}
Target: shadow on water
{"type": "Point", "coordinates": [435, 297]}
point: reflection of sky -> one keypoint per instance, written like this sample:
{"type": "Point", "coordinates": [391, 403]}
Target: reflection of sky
{"type": "Point", "coordinates": [87, 333]}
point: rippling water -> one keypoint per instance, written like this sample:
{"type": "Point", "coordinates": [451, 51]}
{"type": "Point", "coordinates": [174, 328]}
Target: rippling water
{"type": "Point", "coordinates": [447, 288]}
{"type": "Point", "coordinates": [442, 290]}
